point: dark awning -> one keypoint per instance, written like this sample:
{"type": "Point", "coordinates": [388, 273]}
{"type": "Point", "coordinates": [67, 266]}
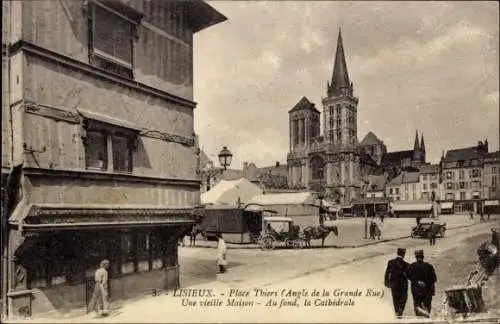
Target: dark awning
{"type": "Point", "coordinates": [202, 15]}
{"type": "Point", "coordinates": [34, 217]}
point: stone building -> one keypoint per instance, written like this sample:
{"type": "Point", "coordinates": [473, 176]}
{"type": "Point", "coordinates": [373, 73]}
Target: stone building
{"type": "Point", "coordinates": [462, 174]}
{"type": "Point", "coordinates": [98, 138]}
{"type": "Point", "coordinates": [332, 160]}
{"type": "Point", "coordinates": [430, 175]}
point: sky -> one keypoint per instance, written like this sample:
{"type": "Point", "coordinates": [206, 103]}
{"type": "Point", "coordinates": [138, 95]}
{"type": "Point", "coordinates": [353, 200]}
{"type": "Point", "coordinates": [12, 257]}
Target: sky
{"type": "Point", "coordinates": [426, 66]}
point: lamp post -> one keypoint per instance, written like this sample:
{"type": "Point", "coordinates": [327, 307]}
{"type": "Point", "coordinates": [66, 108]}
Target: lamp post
{"type": "Point", "coordinates": [365, 211]}
{"type": "Point", "coordinates": [321, 196]}
{"type": "Point", "coordinates": [225, 157]}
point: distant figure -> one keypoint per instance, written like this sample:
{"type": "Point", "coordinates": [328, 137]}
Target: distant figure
{"type": "Point", "coordinates": [396, 278]}
{"type": "Point", "coordinates": [372, 230]}
{"type": "Point", "coordinates": [100, 295]}
{"type": "Point", "coordinates": [432, 232]}
{"type": "Point", "coordinates": [495, 239]}
{"type": "Point", "coordinates": [418, 220]}
{"type": "Point", "coordinates": [377, 232]}
{"type": "Point", "coordinates": [221, 254]}
{"type": "Point", "coordinates": [489, 215]}
{"type": "Point", "coordinates": [382, 217]}
{"type": "Point", "coordinates": [471, 215]}
{"type": "Point", "coordinates": [423, 280]}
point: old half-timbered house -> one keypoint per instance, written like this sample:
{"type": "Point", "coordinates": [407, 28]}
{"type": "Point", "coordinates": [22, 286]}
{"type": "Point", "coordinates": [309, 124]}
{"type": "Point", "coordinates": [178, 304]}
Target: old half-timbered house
{"type": "Point", "coordinates": [100, 146]}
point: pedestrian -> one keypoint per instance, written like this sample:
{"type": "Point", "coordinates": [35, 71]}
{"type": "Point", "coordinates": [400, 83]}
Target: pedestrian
{"type": "Point", "coordinates": [495, 239]}
{"type": "Point", "coordinates": [432, 233]}
{"type": "Point", "coordinates": [100, 295]}
{"type": "Point", "coordinates": [221, 254]}
{"type": "Point", "coordinates": [372, 230]}
{"type": "Point", "coordinates": [489, 215]}
{"type": "Point", "coordinates": [423, 280]}
{"type": "Point", "coordinates": [471, 215]}
{"type": "Point", "coordinates": [376, 231]}
{"type": "Point", "coordinates": [418, 220]}
{"type": "Point", "coordinates": [382, 217]}
{"type": "Point", "coordinates": [396, 278]}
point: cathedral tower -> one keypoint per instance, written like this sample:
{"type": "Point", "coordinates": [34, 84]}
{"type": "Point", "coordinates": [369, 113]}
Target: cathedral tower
{"type": "Point", "coordinates": [340, 110]}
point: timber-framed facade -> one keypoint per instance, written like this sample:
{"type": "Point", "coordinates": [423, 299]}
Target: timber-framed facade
{"type": "Point", "coordinates": [99, 156]}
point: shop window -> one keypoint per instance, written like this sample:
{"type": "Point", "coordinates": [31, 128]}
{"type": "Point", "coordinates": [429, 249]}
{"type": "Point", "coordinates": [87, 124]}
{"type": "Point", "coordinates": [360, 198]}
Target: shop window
{"type": "Point", "coordinates": [128, 253]}
{"type": "Point", "coordinates": [100, 137]}
{"type": "Point", "coordinates": [143, 248]}
{"type": "Point", "coordinates": [156, 250]}
{"type": "Point", "coordinates": [111, 41]}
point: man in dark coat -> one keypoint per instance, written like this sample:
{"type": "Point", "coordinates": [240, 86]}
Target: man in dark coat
{"type": "Point", "coordinates": [423, 280]}
{"type": "Point", "coordinates": [396, 278]}
{"type": "Point", "coordinates": [432, 233]}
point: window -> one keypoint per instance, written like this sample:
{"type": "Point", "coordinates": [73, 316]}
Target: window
{"type": "Point", "coordinates": [493, 181]}
{"type": "Point", "coordinates": [449, 175]}
{"type": "Point", "coordinates": [463, 185]}
{"type": "Point", "coordinates": [97, 152]}
{"type": "Point", "coordinates": [414, 195]}
{"type": "Point", "coordinates": [390, 191]}
{"type": "Point", "coordinates": [461, 175]}
{"type": "Point", "coordinates": [433, 176]}
{"type": "Point", "coordinates": [494, 170]}
{"type": "Point", "coordinates": [425, 186]}
{"type": "Point", "coordinates": [424, 177]}
{"type": "Point", "coordinates": [109, 147]}
{"type": "Point", "coordinates": [450, 196]}
{"type": "Point", "coordinates": [397, 191]}
{"type": "Point", "coordinates": [338, 110]}
{"type": "Point", "coordinates": [397, 198]}
{"type": "Point", "coordinates": [110, 41]}
{"type": "Point", "coordinates": [433, 185]}
{"type": "Point", "coordinates": [462, 195]}
{"type": "Point", "coordinates": [449, 185]}
{"type": "Point", "coordinates": [476, 173]}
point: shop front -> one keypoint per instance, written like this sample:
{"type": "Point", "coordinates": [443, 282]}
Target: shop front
{"type": "Point", "coordinates": [55, 251]}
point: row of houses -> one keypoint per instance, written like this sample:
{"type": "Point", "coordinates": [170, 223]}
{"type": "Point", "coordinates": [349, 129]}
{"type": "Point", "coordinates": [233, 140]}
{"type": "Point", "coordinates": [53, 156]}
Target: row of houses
{"type": "Point", "coordinates": [467, 177]}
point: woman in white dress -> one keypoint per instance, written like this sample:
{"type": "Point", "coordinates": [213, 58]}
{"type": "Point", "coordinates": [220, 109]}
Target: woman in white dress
{"type": "Point", "coordinates": [221, 254]}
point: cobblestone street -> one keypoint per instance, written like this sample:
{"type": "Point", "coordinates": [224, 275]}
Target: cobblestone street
{"type": "Point", "coordinates": [360, 268]}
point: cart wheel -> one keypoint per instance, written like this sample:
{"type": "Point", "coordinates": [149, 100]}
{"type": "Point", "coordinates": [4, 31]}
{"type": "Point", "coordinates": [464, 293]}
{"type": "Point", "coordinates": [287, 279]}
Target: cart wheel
{"type": "Point", "coordinates": [268, 243]}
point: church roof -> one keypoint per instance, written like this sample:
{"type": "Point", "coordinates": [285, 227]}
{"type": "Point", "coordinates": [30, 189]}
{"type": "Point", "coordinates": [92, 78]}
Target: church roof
{"type": "Point", "coordinates": [396, 157]}
{"type": "Point", "coordinates": [370, 139]}
{"type": "Point", "coordinates": [304, 104]}
{"type": "Point", "coordinates": [429, 168]}
{"type": "Point", "coordinates": [463, 154]}
{"type": "Point", "coordinates": [340, 77]}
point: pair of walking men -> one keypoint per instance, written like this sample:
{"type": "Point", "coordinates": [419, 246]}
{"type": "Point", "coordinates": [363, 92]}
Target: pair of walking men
{"type": "Point", "coordinates": [422, 277]}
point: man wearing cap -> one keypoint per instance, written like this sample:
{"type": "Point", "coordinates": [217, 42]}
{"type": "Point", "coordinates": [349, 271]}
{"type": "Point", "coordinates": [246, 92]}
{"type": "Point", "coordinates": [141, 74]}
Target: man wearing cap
{"type": "Point", "coordinates": [423, 280]}
{"type": "Point", "coordinates": [396, 278]}
{"type": "Point", "coordinates": [100, 294]}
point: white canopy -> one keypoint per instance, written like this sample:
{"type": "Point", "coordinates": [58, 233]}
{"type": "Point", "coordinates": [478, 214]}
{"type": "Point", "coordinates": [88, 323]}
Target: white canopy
{"type": "Point", "coordinates": [294, 198]}
{"type": "Point", "coordinates": [491, 203]}
{"type": "Point", "coordinates": [227, 192]}
{"type": "Point", "coordinates": [446, 205]}
{"type": "Point", "coordinates": [412, 206]}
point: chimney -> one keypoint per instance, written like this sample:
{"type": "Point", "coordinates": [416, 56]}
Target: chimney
{"type": "Point", "coordinates": [277, 163]}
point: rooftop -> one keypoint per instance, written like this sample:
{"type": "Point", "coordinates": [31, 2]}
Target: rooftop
{"type": "Point", "coordinates": [429, 168]}
{"type": "Point", "coordinates": [370, 139]}
{"type": "Point", "coordinates": [463, 154]}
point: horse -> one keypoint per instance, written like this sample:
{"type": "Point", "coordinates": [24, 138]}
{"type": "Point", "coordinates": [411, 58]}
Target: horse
{"type": "Point", "coordinates": [318, 232]}
{"type": "Point", "coordinates": [194, 233]}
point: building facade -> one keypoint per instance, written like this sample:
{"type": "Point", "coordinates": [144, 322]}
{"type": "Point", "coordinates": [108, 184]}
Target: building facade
{"type": "Point", "coordinates": [430, 175]}
{"type": "Point", "coordinates": [406, 186]}
{"type": "Point", "coordinates": [99, 141]}
{"type": "Point", "coordinates": [491, 176]}
{"type": "Point", "coordinates": [462, 174]}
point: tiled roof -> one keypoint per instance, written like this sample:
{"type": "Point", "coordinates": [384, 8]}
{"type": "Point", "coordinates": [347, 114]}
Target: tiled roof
{"type": "Point", "coordinates": [411, 177]}
{"type": "Point", "coordinates": [429, 168]}
{"type": "Point", "coordinates": [304, 104]}
{"type": "Point", "coordinates": [463, 154]}
{"type": "Point", "coordinates": [397, 181]}
{"type": "Point", "coordinates": [396, 157]}
{"type": "Point", "coordinates": [376, 183]}
{"type": "Point", "coordinates": [370, 139]}
{"type": "Point", "coordinates": [204, 159]}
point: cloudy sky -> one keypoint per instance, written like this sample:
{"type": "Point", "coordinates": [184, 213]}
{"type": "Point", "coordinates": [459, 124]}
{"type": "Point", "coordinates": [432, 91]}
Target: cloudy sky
{"type": "Point", "coordinates": [431, 66]}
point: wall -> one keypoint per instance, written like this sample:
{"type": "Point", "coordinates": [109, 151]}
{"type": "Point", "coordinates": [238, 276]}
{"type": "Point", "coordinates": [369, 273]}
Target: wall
{"type": "Point", "coordinates": [58, 190]}
{"type": "Point", "coordinates": [162, 53]}
{"type": "Point", "coordinates": [70, 90]}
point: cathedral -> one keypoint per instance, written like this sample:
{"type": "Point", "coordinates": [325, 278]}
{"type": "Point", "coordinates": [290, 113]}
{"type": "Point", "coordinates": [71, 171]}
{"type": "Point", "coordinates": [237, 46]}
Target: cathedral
{"type": "Point", "coordinates": [334, 162]}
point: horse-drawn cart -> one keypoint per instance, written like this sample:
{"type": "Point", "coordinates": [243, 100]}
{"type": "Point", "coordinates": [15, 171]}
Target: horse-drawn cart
{"type": "Point", "coordinates": [422, 230]}
{"type": "Point", "coordinates": [280, 231]}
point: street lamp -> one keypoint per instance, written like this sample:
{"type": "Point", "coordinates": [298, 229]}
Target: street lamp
{"type": "Point", "coordinates": [321, 196]}
{"type": "Point", "coordinates": [225, 157]}
{"type": "Point", "coordinates": [364, 209]}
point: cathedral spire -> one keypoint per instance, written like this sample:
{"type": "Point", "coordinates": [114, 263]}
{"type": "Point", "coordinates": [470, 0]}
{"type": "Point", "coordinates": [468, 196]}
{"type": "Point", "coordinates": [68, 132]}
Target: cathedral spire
{"type": "Point", "coordinates": [340, 77]}
{"type": "Point", "coordinates": [422, 144]}
{"type": "Point", "coordinates": [416, 146]}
